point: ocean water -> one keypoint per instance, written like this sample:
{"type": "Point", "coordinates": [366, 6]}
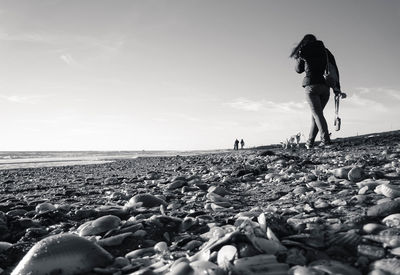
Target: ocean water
{"type": "Point", "coordinates": [36, 159]}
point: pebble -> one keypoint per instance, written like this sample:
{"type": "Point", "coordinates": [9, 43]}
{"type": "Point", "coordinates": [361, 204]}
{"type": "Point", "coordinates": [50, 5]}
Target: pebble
{"type": "Point", "coordinates": [146, 200]}
{"type": "Point", "coordinates": [356, 174]}
{"type": "Point", "coordinates": [99, 226]}
{"type": "Point", "coordinates": [246, 212]}
{"type": "Point", "coordinates": [62, 254]}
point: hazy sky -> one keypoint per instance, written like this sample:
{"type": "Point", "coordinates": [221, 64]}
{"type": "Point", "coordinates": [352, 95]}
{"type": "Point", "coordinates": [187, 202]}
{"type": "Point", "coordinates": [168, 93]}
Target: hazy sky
{"type": "Point", "coordinates": [186, 74]}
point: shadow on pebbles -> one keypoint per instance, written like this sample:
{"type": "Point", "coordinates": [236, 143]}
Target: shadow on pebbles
{"type": "Point", "coordinates": [330, 211]}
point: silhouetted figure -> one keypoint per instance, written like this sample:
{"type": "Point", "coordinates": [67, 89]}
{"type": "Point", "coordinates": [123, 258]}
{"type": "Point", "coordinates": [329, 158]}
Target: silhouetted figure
{"type": "Point", "coordinates": [236, 145]}
{"type": "Point", "coordinates": [241, 144]}
{"type": "Point", "coordinates": [311, 57]}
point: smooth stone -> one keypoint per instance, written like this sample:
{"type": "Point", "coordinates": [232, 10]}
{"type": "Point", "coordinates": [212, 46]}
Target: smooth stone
{"type": "Point", "coordinates": [358, 199]}
{"type": "Point", "coordinates": [321, 204]}
{"type": "Point", "coordinates": [384, 209]}
{"type": "Point", "coordinates": [216, 198]}
{"type": "Point", "coordinates": [380, 201]}
{"type": "Point", "coordinates": [139, 233]}
{"type": "Point", "coordinates": [370, 228]}
{"type": "Point", "coordinates": [300, 190]}
{"type": "Point", "coordinates": [44, 207]}
{"type": "Point", "coordinates": [182, 268]}
{"type": "Point", "coordinates": [176, 184]}
{"type": "Point", "coordinates": [100, 225]}
{"type": "Point", "coordinates": [267, 246]}
{"type": "Point", "coordinates": [161, 247]}
{"type": "Point", "coordinates": [331, 267]}
{"type": "Point", "coordinates": [390, 266]}
{"type": "Point", "coordinates": [121, 262]}
{"type": "Point", "coordinates": [192, 245]}
{"type": "Point", "coordinates": [218, 190]}
{"type": "Point", "coordinates": [4, 246]}
{"type": "Point", "coordinates": [339, 202]}
{"type": "Point", "coordinates": [206, 267]}
{"type": "Point", "coordinates": [226, 255]}
{"type": "Point", "coordinates": [63, 254]}
{"type": "Point", "coordinates": [363, 190]}
{"type": "Point", "coordinates": [187, 223]}
{"type": "Point", "coordinates": [342, 172]}
{"type": "Point", "coordinates": [147, 200]}
{"type": "Point", "coordinates": [370, 183]}
{"type": "Point", "coordinates": [111, 181]}
{"type": "Point", "coordinates": [356, 174]}
{"type": "Point", "coordinates": [139, 253]}
{"type": "Point", "coordinates": [262, 221]}
{"type": "Point", "coordinates": [114, 240]}
{"type": "Point", "coordinates": [302, 270]}
{"type": "Point", "coordinates": [16, 212]}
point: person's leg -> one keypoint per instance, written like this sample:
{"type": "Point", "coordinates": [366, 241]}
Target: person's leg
{"type": "Point", "coordinates": [313, 131]}
{"type": "Point", "coordinates": [317, 99]}
{"type": "Point", "coordinates": [324, 97]}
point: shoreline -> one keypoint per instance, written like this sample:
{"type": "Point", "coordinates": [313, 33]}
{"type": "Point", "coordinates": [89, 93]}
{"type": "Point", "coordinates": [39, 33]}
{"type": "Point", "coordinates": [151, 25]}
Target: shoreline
{"type": "Point", "coordinates": [21, 163]}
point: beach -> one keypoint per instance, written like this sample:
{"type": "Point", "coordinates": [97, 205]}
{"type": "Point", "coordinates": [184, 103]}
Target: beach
{"type": "Point", "coordinates": [254, 211]}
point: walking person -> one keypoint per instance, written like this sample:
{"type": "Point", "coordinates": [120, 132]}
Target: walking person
{"type": "Point", "coordinates": [311, 57]}
{"type": "Point", "coordinates": [241, 144]}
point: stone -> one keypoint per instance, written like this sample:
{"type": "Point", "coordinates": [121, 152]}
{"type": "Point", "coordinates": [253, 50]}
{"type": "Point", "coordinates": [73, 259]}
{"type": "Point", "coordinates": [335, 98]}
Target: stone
{"type": "Point", "coordinates": [100, 225]}
{"type": "Point", "coordinates": [147, 200]}
{"type": "Point", "coordinates": [63, 254]}
{"type": "Point", "coordinates": [356, 174]}
{"type": "Point", "coordinates": [384, 209]}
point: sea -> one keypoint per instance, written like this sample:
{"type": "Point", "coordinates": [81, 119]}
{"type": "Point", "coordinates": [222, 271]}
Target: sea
{"type": "Point", "coordinates": [37, 159]}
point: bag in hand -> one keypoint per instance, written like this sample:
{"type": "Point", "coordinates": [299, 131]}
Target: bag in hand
{"type": "Point", "coordinates": [331, 74]}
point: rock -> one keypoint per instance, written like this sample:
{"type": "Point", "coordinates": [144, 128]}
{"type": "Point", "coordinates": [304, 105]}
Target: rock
{"type": "Point", "coordinates": [161, 247]}
{"type": "Point", "coordinates": [260, 264]}
{"type": "Point", "coordinates": [182, 268]}
{"type": "Point", "coordinates": [147, 200]}
{"type": "Point", "coordinates": [141, 252]}
{"type": "Point", "coordinates": [371, 252]}
{"type": "Point", "coordinates": [63, 254]}
{"type": "Point", "coordinates": [373, 228]}
{"type": "Point", "coordinates": [114, 240]}
{"type": "Point", "coordinates": [98, 226]}
{"type": "Point", "coordinates": [384, 209]}
{"type": "Point", "coordinates": [205, 267]}
{"type": "Point", "coordinates": [342, 172]}
{"type": "Point", "coordinates": [44, 207]}
{"type": "Point", "coordinates": [111, 181]}
{"type": "Point", "coordinates": [226, 255]}
{"type": "Point", "coordinates": [218, 190]}
{"type": "Point", "coordinates": [356, 174]}
{"type": "Point", "coordinates": [176, 184]}
{"type": "Point", "coordinates": [331, 267]}
{"type": "Point", "coordinates": [4, 246]}
{"type": "Point", "coordinates": [390, 266]}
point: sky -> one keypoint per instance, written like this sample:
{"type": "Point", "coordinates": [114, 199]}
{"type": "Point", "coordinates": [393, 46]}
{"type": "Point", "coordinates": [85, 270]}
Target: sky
{"type": "Point", "coordinates": [187, 74]}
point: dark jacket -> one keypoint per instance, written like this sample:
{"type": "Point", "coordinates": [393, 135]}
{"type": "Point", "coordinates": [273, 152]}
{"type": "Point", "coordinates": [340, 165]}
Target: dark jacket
{"type": "Point", "coordinates": [312, 61]}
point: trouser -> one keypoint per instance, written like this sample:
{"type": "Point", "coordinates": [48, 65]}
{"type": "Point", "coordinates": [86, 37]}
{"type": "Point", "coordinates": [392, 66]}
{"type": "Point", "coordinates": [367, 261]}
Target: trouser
{"type": "Point", "coordinates": [317, 97]}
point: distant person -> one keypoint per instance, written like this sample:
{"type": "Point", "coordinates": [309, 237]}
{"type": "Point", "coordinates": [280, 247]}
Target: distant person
{"type": "Point", "coordinates": [311, 57]}
{"type": "Point", "coordinates": [236, 145]}
{"type": "Point", "coordinates": [241, 144]}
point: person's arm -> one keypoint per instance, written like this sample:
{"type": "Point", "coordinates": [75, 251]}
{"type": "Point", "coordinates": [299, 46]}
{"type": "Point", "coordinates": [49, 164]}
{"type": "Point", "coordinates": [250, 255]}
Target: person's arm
{"type": "Point", "coordinates": [299, 65]}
